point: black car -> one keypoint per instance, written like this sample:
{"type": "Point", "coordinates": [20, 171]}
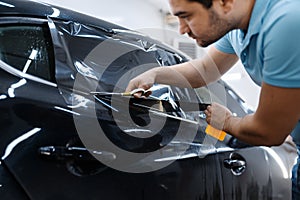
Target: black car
{"type": "Point", "coordinates": [68, 132]}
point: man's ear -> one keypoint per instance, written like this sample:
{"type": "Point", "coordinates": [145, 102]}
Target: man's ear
{"type": "Point", "coordinates": [226, 5]}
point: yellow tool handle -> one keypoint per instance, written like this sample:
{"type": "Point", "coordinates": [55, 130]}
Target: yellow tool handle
{"type": "Point", "coordinates": [216, 133]}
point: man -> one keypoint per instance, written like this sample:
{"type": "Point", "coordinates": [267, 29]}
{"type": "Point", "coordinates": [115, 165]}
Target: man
{"type": "Point", "coordinates": [265, 36]}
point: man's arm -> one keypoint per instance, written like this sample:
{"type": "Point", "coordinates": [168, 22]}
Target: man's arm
{"type": "Point", "coordinates": [195, 73]}
{"type": "Point", "coordinates": [277, 114]}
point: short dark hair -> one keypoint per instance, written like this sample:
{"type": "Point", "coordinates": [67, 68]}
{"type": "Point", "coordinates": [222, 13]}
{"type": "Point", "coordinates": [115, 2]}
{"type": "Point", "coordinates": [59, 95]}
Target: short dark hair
{"type": "Point", "coordinates": [206, 3]}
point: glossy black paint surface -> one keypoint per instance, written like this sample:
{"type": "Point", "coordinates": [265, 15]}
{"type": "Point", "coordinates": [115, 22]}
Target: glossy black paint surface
{"type": "Point", "coordinates": [43, 156]}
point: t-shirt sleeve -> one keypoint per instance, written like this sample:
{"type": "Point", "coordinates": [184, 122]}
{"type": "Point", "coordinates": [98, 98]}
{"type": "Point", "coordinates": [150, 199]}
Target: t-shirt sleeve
{"type": "Point", "coordinates": [224, 45]}
{"type": "Point", "coordinates": [282, 52]}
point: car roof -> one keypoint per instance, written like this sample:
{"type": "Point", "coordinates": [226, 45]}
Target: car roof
{"type": "Point", "coordinates": [36, 9]}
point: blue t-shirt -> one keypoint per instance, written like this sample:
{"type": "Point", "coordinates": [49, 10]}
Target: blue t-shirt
{"type": "Point", "coordinates": [270, 50]}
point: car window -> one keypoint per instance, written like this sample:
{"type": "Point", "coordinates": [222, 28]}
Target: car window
{"type": "Point", "coordinates": [28, 48]}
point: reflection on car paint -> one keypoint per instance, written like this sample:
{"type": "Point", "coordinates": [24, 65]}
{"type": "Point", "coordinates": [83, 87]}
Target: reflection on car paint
{"type": "Point", "coordinates": [18, 140]}
{"type": "Point", "coordinates": [66, 110]}
{"type": "Point", "coordinates": [11, 90]}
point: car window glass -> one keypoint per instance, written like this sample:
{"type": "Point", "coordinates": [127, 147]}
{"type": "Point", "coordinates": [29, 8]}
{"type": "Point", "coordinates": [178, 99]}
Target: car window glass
{"type": "Point", "coordinates": [28, 48]}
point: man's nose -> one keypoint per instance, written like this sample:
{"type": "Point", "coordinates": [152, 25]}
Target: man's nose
{"type": "Point", "coordinates": [183, 27]}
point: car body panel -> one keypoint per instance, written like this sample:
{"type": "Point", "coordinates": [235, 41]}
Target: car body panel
{"type": "Point", "coordinates": [9, 187]}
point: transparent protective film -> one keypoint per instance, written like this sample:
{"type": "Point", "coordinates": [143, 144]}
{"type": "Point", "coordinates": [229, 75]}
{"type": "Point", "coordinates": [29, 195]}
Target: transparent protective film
{"type": "Point", "coordinates": [138, 133]}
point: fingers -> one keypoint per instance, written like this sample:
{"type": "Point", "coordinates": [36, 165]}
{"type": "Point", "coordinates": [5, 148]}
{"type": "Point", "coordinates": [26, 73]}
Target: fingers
{"type": "Point", "coordinates": [208, 114]}
{"type": "Point", "coordinates": [143, 82]}
{"type": "Point", "coordinates": [133, 84]}
{"type": "Point", "coordinates": [137, 89]}
{"type": "Point", "coordinates": [141, 94]}
{"type": "Point", "coordinates": [147, 93]}
{"type": "Point", "coordinates": [138, 94]}
{"type": "Point", "coordinates": [216, 115]}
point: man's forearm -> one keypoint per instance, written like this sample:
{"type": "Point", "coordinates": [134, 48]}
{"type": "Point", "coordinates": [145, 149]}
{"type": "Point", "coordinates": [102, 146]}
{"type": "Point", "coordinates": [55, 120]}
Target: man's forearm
{"type": "Point", "coordinates": [248, 130]}
{"type": "Point", "coordinates": [190, 74]}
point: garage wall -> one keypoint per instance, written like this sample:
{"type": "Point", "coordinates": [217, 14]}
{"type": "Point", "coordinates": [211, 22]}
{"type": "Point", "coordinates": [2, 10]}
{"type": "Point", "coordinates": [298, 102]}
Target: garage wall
{"type": "Point", "coordinates": [132, 14]}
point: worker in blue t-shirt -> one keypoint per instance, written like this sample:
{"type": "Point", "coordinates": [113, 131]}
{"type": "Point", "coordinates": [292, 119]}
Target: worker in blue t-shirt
{"type": "Point", "coordinates": [265, 36]}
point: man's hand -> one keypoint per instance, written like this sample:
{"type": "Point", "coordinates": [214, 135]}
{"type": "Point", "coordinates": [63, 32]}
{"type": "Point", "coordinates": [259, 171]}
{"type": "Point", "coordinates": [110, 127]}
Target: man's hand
{"type": "Point", "coordinates": [274, 119]}
{"type": "Point", "coordinates": [144, 81]}
{"type": "Point", "coordinates": [217, 115]}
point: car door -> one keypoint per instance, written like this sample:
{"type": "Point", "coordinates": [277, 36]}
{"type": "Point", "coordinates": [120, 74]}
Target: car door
{"type": "Point", "coordinates": [30, 102]}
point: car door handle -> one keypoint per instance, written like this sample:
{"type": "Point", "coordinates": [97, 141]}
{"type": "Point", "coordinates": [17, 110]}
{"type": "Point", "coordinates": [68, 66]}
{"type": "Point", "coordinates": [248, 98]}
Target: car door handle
{"type": "Point", "coordinates": [231, 164]}
{"type": "Point", "coordinates": [74, 153]}
{"type": "Point", "coordinates": [236, 166]}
